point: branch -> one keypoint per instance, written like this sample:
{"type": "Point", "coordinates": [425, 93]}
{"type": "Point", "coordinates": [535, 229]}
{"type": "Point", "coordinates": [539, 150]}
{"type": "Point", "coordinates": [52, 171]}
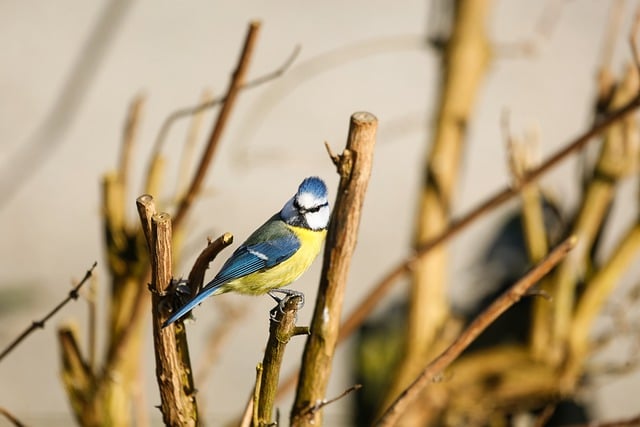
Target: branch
{"type": "Point", "coordinates": [379, 290]}
{"type": "Point", "coordinates": [354, 167]}
{"type": "Point", "coordinates": [499, 198]}
{"type": "Point", "coordinates": [203, 106]}
{"type": "Point", "coordinates": [12, 419]}
{"type": "Point", "coordinates": [208, 254]}
{"type": "Point", "coordinates": [237, 80]}
{"type": "Point", "coordinates": [129, 137]}
{"type": "Point", "coordinates": [173, 367]}
{"type": "Point", "coordinates": [311, 410]}
{"type": "Point", "coordinates": [490, 314]}
{"type": "Point", "coordinates": [39, 324]}
{"type": "Point", "coordinates": [282, 328]}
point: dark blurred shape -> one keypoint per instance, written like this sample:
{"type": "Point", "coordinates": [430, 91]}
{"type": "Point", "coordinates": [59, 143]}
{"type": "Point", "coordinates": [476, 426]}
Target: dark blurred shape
{"type": "Point", "coordinates": [379, 341]}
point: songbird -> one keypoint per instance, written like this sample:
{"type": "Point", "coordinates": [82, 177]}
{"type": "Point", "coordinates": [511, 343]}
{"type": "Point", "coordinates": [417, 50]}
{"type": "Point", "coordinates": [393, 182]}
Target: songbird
{"type": "Point", "coordinates": [275, 254]}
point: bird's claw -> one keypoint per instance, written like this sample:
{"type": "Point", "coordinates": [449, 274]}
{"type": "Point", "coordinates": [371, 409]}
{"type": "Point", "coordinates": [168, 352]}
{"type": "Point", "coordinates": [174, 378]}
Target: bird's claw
{"type": "Point", "coordinates": [288, 293]}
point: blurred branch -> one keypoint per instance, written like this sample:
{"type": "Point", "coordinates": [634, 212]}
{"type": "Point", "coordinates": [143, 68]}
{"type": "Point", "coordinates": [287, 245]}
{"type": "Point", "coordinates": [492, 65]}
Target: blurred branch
{"type": "Point", "coordinates": [207, 104]}
{"type": "Point", "coordinates": [92, 332]}
{"type": "Point", "coordinates": [9, 416]}
{"type": "Point", "coordinates": [465, 58]}
{"type": "Point", "coordinates": [362, 310]}
{"type": "Point", "coordinates": [354, 167]}
{"type": "Point", "coordinates": [596, 292]}
{"type": "Point", "coordinates": [617, 159]}
{"type": "Point", "coordinates": [129, 137]}
{"type": "Point", "coordinates": [479, 324]}
{"type": "Point", "coordinates": [235, 85]}
{"type": "Point", "coordinates": [282, 327]}
{"type": "Point", "coordinates": [310, 69]}
{"type": "Point", "coordinates": [188, 149]}
{"type": "Point", "coordinates": [355, 318]}
{"type": "Point", "coordinates": [39, 324]}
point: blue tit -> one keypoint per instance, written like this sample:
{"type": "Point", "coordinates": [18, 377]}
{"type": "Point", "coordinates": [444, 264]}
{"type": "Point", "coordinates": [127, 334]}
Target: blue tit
{"type": "Point", "coordinates": [275, 254]}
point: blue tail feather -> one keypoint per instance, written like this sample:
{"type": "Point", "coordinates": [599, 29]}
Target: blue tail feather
{"type": "Point", "coordinates": [206, 292]}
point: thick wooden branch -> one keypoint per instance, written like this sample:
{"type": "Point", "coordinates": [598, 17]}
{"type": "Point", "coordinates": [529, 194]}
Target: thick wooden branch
{"type": "Point", "coordinates": [173, 367]}
{"type": "Point", "coordinates": [354, 167]}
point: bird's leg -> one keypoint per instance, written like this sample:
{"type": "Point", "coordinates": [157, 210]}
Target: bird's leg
{"type": "Point", "coordinates": [288, 294]}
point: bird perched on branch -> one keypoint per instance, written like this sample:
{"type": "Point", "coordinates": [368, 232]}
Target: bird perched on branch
{"type": "Point", "coordinates": [275, 254]}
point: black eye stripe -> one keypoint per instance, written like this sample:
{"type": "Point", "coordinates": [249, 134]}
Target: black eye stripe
{"type": "Point", "coordinates": [317, 208]}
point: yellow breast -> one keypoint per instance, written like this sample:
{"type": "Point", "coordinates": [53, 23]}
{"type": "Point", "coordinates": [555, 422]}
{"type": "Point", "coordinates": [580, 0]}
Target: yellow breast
{"type": "Point", "coordinates": [284, 273]}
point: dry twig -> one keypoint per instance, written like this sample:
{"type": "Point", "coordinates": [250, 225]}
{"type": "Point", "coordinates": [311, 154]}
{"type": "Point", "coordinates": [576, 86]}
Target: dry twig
{"type": "Point", "coordinates": [12, 418]}
{"type": "Point", "coordinates": [499, 306]}
{"type": "Point", "coordinates": [39, 324]}
{"type": "Point", "coordinates": [311, 410]}
{"type": "Point", "coordinates": [237, 80]}
{"type": "Point", "coordinates": [205, 105]}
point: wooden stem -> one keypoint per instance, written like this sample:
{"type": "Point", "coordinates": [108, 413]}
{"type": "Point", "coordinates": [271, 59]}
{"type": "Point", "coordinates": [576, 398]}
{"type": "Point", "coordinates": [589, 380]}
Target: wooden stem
{"type": "Point", "coordinates": [354, 167]}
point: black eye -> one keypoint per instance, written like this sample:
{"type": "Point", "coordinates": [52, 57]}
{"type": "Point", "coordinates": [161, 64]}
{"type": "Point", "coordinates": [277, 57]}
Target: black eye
{"type": "Point", "coordinates": [296, 204]}
{"type": "Point", "coordinates": [317, 208]}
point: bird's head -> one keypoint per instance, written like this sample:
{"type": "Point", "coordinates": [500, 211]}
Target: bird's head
{"type": "Point", "coordinates": [309, 207]}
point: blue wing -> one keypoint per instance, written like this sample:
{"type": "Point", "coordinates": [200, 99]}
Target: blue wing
{"type": "Point", "coordinates": [254, 255]}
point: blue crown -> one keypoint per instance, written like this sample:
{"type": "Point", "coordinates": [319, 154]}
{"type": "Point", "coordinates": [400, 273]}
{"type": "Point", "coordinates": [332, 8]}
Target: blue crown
{"type": "Point", "coordinates": [314, 186]}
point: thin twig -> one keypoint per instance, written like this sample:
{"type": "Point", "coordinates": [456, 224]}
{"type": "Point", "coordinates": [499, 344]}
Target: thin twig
{"type": "Point", "coordinates": [8, 415]}
{"type": "Point", "coordinates": [247, 415]}
{"type": "Point", "coordinates": [312, 409]}
{"type": "Point", "coordinates": [201, 264]}
{"type": "Point", "coordinates": [236, 83]}
{"type": "Point", "coordinates": [39, 324]}
{"type": "Point", "coordinates": [480, 323]}
{"type": "Point", "coordinates": [203, 106]}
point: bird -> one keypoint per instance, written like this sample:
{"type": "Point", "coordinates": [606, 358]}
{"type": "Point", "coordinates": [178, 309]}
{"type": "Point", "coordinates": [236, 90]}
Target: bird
{"type": "Point", "coordinates": [277, 253]}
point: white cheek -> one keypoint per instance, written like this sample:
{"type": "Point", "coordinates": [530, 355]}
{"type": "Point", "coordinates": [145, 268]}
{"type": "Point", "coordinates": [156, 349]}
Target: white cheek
{"type": "Point", "coordinates": [318, 220]}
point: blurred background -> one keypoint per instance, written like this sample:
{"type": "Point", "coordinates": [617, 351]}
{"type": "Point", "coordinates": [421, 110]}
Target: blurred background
{"type": "Point", "coordinates": [70, 70]}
